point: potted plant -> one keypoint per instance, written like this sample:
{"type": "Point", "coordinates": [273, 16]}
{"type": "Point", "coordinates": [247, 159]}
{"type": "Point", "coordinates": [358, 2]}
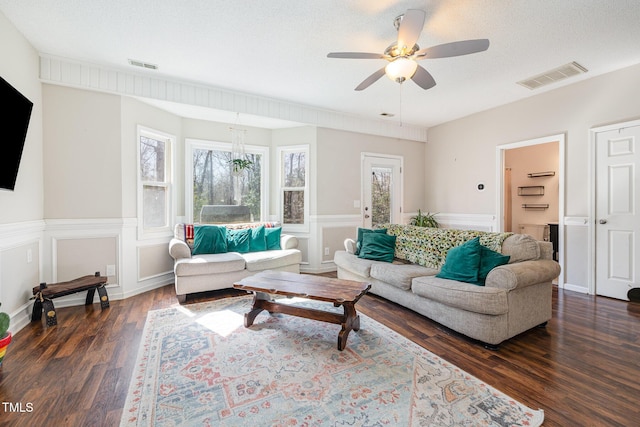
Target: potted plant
{"type": "Point", "coordinates": [240, 164]}
{"type": "Point", "coordinates": [5, 335]}
{"type": "Point", "coordinates": [425, 220]}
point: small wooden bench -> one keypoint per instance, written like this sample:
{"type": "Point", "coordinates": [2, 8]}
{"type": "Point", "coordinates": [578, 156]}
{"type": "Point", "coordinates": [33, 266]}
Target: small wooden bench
{"type": "Point", "coordinates": [44, 294]}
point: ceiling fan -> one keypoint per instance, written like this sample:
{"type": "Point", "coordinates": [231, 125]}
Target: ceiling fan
{"type": "Point", "coordinates": [403, 54]}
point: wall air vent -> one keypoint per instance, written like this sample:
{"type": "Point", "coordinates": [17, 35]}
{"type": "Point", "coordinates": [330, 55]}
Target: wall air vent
{"type": "Point", "coordinates": [565, 71]}
{"type": "Point", "coordinates": [143, 64]}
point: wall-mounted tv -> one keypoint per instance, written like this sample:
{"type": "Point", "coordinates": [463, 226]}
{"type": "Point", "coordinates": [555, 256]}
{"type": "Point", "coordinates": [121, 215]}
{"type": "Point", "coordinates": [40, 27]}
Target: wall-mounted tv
{"type": "Point", "coordinates": [15, 122]}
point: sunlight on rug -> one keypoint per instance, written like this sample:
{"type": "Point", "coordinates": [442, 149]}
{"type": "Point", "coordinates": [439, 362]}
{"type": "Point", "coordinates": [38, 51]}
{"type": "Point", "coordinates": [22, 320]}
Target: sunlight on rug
{"type": "Point", "coordinates": [199, 366]}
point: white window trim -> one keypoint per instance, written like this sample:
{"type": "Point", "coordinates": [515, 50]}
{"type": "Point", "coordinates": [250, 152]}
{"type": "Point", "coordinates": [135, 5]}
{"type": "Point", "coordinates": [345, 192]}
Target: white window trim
{"type": "Point", "coordinates": [192, 143]}
{"type": "Point", "coordinates": [294, 228]}
{"type": "Point", "coordinates": [152, 233]}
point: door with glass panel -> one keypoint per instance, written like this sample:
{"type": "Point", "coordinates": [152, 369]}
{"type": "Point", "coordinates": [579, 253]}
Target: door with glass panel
{"type": "Point", "coordinates": [382, 189]}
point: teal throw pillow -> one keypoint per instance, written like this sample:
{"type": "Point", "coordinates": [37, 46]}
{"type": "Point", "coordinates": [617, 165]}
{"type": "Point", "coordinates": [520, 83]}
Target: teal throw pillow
{"type": "Point", "coordinates": [257, 240]}
{"type": "Point", "coordinates": [272, 237]}
{"type": "Point", "coordinates": [238, 240]}
{"type": "Point", "coordinates": [378, 247]}
{"type": "Point", "coordinates": [362, 232]}
{"type": "Point", "coordinates": [209, 239]}
{"type": "Point", "coordinates": [488, 261]}
{"type": "Point", "coordinates": [463, 262]}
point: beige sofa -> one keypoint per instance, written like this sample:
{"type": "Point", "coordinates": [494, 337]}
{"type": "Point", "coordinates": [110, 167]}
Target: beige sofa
{"type": "Point", "coordinates": [206, 272]}
{"type": "Point", "coordinates": [515, 297]}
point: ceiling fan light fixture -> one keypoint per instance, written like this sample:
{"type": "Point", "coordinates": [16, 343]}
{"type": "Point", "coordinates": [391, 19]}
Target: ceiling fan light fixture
{"type": "Point", "coordinates": [401, 69]}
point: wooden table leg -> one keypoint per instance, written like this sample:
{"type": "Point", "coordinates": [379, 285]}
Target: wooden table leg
{"type": "Point", "coordinates": [351, 322]}
{"type": "Point", "coordinates": [258, 305]}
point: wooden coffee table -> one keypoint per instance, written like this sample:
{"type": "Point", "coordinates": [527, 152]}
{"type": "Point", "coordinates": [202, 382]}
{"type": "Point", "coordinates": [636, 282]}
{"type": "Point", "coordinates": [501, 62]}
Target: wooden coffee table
{"type": "Point", "coordinates": [340, 292]}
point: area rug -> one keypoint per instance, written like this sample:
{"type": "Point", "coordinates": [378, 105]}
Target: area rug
{"type": "Point", "coordinates": [199, 366]}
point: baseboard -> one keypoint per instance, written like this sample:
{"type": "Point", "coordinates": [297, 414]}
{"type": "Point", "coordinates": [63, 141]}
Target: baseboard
{"type": "Point", "coordinates": [575, 288]}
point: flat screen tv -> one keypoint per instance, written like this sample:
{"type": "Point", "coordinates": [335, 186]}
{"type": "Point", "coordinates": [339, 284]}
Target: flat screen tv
{"type": "Point", "coordinates": [15, 122]}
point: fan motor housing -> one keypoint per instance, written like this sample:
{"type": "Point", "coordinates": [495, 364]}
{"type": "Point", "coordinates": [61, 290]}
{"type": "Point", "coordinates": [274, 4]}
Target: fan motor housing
{"type": "Point", "coordinates": [395, 51]}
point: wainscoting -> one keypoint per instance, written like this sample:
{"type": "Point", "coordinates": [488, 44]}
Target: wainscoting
{"type": "Point", "coordinates": [63, 249]}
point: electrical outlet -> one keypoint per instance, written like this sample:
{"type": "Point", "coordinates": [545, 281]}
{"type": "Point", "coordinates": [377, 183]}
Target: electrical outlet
{"type": "Point", "coordinates": [29, 255]}
{"type": "Point", "coordinates": [111, 270]}
{"type": "Point", "coordinates": [326, 251]}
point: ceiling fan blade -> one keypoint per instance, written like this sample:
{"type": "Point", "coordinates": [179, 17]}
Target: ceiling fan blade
{"type": "Point", "coordinates": [355, 55]}
{"type": "Point", "coordinates": [423, 78]}
{"type": "Point", "coordinates": [371, 79]}
{"type": "Point", "coordinates": [411, 26]}
{"type": "Point", "coordinates": [447, 50]}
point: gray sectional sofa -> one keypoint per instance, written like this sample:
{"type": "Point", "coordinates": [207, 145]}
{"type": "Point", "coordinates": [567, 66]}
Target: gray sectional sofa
{"type": "Point", "coordinates": [515, 297]}
{"type": "Point", "coordinates": [211, 271]}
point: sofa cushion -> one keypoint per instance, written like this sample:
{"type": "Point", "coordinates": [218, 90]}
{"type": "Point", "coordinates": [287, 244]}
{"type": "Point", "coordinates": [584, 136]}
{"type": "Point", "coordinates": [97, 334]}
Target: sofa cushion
{"type": "Point", "coordinates": [353, 264]}
{"type": "Point", "coordinates": [520, 247]}
{"type": "Point", "coordinates": [272, 238]}
{"type": "Point", "coordinates": [209, 264]}
{"type": "Point", "coordinates": [466, 296]}
{"type": "Point", "coordinates": [268, 260]}
{"type": "Point", "coordinates": [399, 275]}
{"type": "Point", "coordinates": [488, 261]}
{"type": "Point", "coordinates": [257, 239]}
{"type": "Point", "coordinates": [378, 247]}
{"type": "Point", "coordinates": [463, 262]}
{"type": "Point", "coordinates": [209, 239]}
{"type": "Point", "coordinates": [362, 232]}
{"type": "Point", "coordinates": [238, 240]}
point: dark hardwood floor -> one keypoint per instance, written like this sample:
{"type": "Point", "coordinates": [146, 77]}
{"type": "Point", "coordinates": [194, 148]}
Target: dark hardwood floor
{"type": "Point", "coordinates": [583, 369]}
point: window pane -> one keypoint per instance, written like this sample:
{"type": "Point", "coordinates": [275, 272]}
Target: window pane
{"type": "Point", "coordinates": [215, 184]}
{"type": "Point", "coordinates": [381, 195]}
{"type": "Point", "coordinates": [152, 165]}
{"type": "Point", "coordinates": [155, 204]}
{"type": "Point", "coordinates": [294, 169]}
{"type": "Point", "coordinates": [293, 207]}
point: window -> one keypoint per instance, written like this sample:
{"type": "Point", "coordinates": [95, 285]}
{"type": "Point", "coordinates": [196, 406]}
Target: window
{"type": "Point", "coordinates": [154, 189]}
{"type": "Point", "coordinates": [294, 184]}
{"type": "Point", "coordinates": [219, 194]}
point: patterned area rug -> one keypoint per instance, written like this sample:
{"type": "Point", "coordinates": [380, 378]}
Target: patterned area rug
{"type": "Point", "coordinates": [199, 366]}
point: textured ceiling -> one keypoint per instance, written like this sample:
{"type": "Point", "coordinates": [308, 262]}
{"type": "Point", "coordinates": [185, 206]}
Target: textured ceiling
{"type": "Point", "coordinates": [277, 48]}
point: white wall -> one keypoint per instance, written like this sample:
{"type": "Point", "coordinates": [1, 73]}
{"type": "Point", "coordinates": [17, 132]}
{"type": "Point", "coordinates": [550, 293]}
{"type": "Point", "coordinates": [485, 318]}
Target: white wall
{"type": "Point", "coordinates": [19, 67]}
{"type": "Point", "coordinates": [21, 210]}
{"type": "Point", "coordinates": [462, 152]}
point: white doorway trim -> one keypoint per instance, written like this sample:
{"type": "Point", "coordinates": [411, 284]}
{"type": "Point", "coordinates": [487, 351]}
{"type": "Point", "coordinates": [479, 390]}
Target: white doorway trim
{"type": "Point", "coordinates": [591, 268]}
{"type": "Point", "coordinates": [499, 226]}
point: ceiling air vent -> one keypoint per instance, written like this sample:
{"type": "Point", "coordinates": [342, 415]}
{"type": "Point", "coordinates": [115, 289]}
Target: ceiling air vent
{"type": "Point", "coordinates": [565, 71]}
{"type": "Point", "coordinates": [143, 64]}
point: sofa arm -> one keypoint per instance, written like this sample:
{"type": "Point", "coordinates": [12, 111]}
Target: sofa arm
{"type": "Point", "coordinates": [178, 249]}
{"type": "Point", "coordinates": [521, 274]}
{"type": "Point", "coordinates": [287, 241]}
{"type": "Point", "coordinates": [350, 246]}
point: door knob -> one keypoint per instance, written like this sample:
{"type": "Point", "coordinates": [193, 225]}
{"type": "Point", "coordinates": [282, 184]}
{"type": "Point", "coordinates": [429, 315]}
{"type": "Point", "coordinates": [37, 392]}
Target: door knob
{"type": "Point", "coordinates": [603, 221]}
{"type": "Point", "coordinates": [366, 216]}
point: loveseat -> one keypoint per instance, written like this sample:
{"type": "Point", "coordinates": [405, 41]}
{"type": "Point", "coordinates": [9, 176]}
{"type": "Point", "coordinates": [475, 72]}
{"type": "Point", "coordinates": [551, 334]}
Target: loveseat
{"type": "Point", "coordinates": [211, 257]}
{"type": "Point", "coordinates": [512, 297]}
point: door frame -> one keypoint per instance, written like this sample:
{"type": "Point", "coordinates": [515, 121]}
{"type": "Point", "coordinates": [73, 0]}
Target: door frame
{"type": "Point", "coordinates": [500, 162]}
{"type": "Point", "coordinates": [363, 156]}
{"type": "Point", "coordinates": [592, 260]}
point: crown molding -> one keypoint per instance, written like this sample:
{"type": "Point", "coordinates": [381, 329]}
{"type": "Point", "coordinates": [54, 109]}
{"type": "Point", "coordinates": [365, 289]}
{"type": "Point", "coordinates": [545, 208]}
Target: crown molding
{"type": "Point", "coordinates": [83, 75]}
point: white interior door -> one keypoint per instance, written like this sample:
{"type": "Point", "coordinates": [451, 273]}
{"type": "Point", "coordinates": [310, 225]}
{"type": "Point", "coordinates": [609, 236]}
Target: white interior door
{"type": "Point", "coordinates": [617, 221]}
{"type": "Point", "coordinates": [382, 189]}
